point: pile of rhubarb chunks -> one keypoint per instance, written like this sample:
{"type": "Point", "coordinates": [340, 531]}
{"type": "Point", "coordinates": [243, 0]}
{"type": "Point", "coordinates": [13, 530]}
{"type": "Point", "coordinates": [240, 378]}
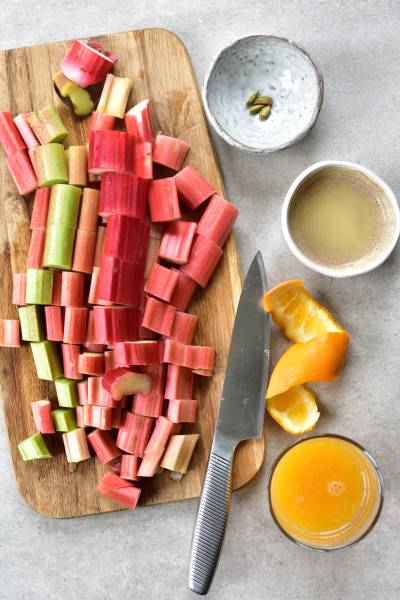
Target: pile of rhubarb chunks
{"type": "Point", "coordinates": [111, 270]}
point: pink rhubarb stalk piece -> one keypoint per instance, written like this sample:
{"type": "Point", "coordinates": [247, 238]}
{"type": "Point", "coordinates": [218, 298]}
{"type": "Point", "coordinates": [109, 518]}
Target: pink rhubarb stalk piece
{"type": "Point", "coordinates": [143, 166]}
{"type": "Point", "coordinates": [193, 357]}
{"type": "Point", "coordinates": [25, 130]}
{"type": "Point", "coordinates": [183, 292]}
{"type": "Point", "coordinates": [138, 122]}
{"type": "Point", "coordinates": [103, 446]}
{"type": "Point", "coordinates": [10, 137]}
{"type": "Point", "coordinates": [97, 416]}
{"type": "Point", "coordinates": [163, 201]}
{"type": "Point", "coordinates": [54, 324]}
{"type": "Point", "coordinates": [100, 121]}
{"type": "Point", "coordinates": [19, 289]}
{"type": "Point", "coordinates": [129, 467]}
{"type": "Point", "coordinates": [144, 352]}
{"type": "Point", "coordinates": [115, 273]}
{"type": "Point", "coordinates": [77, 165]}
{"type": "Point", "coordinates": [123, 194]}
{"type": "Point", "coordinates": [116, 323]}
{"type": "Point", "coordinates": [150, 464]}
{"type": "Point", "coordinates": [122, 382]}
{"type": "Point", "coordinates": [76, 446]}
{"type": "Point", "coordinates": [98, 253]}
{"type": "Point", "coordinates": [87, 63]}
{"type": "Point", "coordinates": [184, 327]}
{"type": "Point", "coordinates": [177, 242]}
{"type": "Point", "coordinates": [119, 490]}
{"type": "Point", "coordinates": [127, 238]}
{"type": "Point", "coordinates": [84, 249]}
{"type": "Point", "coordinates": [22, 172]}
{"type": "Point", "coordinates": [111, 150]}
{"type": "Point", "coordinates": [75, 325]}
{"type": "Point", "coordinates": [41, 410]}
{"type": "Point", "coordinates": [83, 392]}
{"type": "Point", "coordinates": [40, 208]}
{"type": "Point", "coordinates": [148, 405]}
{"type": "Point", "coordinates": [182, 411]}
{"type": "Point", "coordinates": [72, 288]}
{"type": "Point", "coordinates": [10, 333]}
{"type": "Point", "coordinates": [91, 363]}
{"type": "Point", "coordinates": [57, 285]}
{"type": "Point", "coordinates": [217, 220]}
{"type": "Point", "coordinates": [193, 189]}
{"type": "Point", "coordinates": [36, 249]}
{"type": "Point", "coordinates": [158, 316]}
{"type": "Point", "coordinates": [179, 382]}
{"type": "Point", "coordinates": [134, 433]}
{"type": "Point", "coordinates": [89, 208]}
{"type": "Point", "coordinates": [169, 151]}
{"type": "Point", "coordinates": [179, 452]}
{"type": "Point", "coordinates": [161, 282]}
{"type": "Point", "coordinates": [157, 376]}
{"type": "Point", "coordinates": [160, 435]}
{"type": "Point", "coordinates": [70, 355]}
{"type": "Point", "coordinates": [204, 258]}
{"type": "Point", "coordinates": [98, 396]}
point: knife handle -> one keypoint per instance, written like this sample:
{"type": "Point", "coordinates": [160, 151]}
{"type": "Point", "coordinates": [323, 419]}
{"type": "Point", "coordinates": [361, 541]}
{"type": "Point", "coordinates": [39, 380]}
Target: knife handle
{"type": "Point", "coordinates": [210, 525]}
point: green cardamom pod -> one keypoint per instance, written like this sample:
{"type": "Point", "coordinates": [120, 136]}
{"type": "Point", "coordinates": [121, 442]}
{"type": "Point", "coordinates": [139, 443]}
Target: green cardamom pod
{"type": "Point", "coordinates": [265, 100]}
{"type": "Point", "coordinates": [265, 113]}
{"type": "Point", "coordinates": [251, 99]}
{"type": "Point", "coordinates": [255, 109]}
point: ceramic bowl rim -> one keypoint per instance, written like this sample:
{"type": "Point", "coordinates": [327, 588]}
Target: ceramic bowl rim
{"type": "Point", "coordinates": [267, 149]}
{"type": "Point", "coordinates": [330, 271]}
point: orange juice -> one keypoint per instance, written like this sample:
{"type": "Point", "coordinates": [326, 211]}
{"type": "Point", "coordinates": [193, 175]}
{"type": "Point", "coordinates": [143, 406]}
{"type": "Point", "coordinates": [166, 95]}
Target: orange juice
{"type": "Point", "coordinates": [325, 492]}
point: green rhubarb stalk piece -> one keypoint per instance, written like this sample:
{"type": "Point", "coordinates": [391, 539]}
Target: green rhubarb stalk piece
{"type": "Point", "coordinates": [64, 205]}
{"type": "Point", "coordinates": [39, 286]}
{"type": "Point", "coordinates": [64, 419]}
{"type": "Point", "coordinates": [50, 164]}
{"type": "Point", "coordinates": [47, 125]}
{"type": "Point", "coordinates": [32, 323]}
{"type": "Point", "coordinates": [47, 360]}
{"type": "Point", "coordinates": [179, 452]}
{"type": "Point", "coordinates": [34, 447]}
{"type": "Point", "coordinates": [67, 392]}
{"type": "Point", "coordinates": [81, 101]}
{"type": "Point", "coordinates": [59, 247]}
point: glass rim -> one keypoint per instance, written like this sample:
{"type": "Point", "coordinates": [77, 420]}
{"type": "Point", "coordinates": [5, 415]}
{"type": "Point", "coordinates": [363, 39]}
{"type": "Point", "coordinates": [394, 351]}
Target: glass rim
{"type": "Point", "coordinates": [374, 464]}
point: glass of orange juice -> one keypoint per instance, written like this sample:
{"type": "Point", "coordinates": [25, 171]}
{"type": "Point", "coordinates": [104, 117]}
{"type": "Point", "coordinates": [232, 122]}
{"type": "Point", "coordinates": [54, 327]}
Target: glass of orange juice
{"type": "Point", "coordinates": [325, 492]}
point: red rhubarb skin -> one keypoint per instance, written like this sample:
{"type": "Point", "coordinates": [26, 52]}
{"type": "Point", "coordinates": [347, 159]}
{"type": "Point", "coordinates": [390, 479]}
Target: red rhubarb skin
{"type": "Point", "coordinates": [177, 242]}
{"type": "Point", "coordinates": [75, 325]}
{"type": "Point", "coordinates": [40, 208]}
{"type": "Point", "coordinates": [119, 490]}
{"type": "Point", "coordinates": [10, 333]}
{"type": "Point", "coordinates": [116, 324]}
{"type": "Point", "coordinates": [160, 435]}
{"type": "Point", "coordinates": [36, 249]}
{"type": "Point", "coordinates": [184, 327]}
{"type": "Point", "coordinates": [123, 194]}
{"type": "Point", "coordinates": [19, 289]}
{"type": "Point", "coordinates": [85, 245]}
{"type": "Point", "coordinates": [182, 411]}
{"type": "Point", "coordinates": [163, 201]}
{"type": "Point", "coordinates": [83, 392]}
{"type": "Point", "coordinates": [193, 189]}
{"type": "Point", "coordinates": [179, 383]}
{"type": "Point", "coordinates": [97, 416]}
{"type": "Point", "coordinates": [120, 282]}
{"type": "Point", "coordinates": [42, 416]}
{"type": "Point", "coordinates": [138, 122]}
{"type": "Point", "coordinates": [100, 121]}
{"type": "Point", "coordinates": [98, 396]}
{"type": "Point", "coordinates": [103, 446]}
{"type": "Point", "coordinates": [161, 282]}
{"type": "Point", "coordinates": [204, 258]}
{"type": "Point", "coordinates": [157, 376]}
{"type": "Point", "coordinates": [86, 66]}
{"type": "Point", "coordinates": [129, 467]}
{"type": "Point", "coordinates": [144, 160]}
{"type": "Point", "coordinates": [138, 353]}
{"type": "Point", "coordinates": [109, 359]}
{"type": "Point", "coordinates": [158, 316]}
{"type": "Point", "coordinates": [70, 355]}
{"type": "Point", "coordinates": [10, 137]}
{"type": "Point", "coordinates": [57, 285]}
{"type": "Point", "coordinates": [184, 291]}
{"type": "Point", "coordinates": [127, 238]}
{"type": "Point", "coordinates": [25, 130]}
{"type": "Point", "coordinates": [54, 324]}
{"type": "Point", "coordinates": [192, 357]}
{"type": "Point", "coordinates": [111, 151]}
{"type": "Point", "coordinates": [72, 289]}
{"type": "Point", "coordinates": [148, 405]}
{"type": "Point", "coordinates": [79, 416]}
{"type": "Point", "coordinates": [22, 172]}
{"type": "Point", "coordinates": [170, 152]}
{"type": "Point", "coordinates": [134, 433]}
{"type": "Point", "coordinates": [91, 365]}
{"type": "Point", "coordinates": [217, 221]}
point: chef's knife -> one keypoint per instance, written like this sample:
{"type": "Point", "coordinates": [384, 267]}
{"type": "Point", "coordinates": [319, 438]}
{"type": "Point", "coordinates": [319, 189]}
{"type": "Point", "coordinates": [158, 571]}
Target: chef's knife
{"type": "Point", "coordinates": [240, 417]}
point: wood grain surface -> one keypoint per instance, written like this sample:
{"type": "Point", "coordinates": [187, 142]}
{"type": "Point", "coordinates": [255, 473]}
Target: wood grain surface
{"type": "Point", "coordinates": [161, 70]}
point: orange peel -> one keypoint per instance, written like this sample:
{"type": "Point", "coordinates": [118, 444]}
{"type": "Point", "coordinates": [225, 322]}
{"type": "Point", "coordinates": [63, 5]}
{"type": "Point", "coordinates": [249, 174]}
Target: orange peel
{"type": "Point", "coordinates": [296, 410]}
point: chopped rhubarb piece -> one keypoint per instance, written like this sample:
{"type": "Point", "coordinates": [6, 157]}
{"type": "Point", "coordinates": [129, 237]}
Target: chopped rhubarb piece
{"type": "Point", "coordinates": [10, 334]}
{"type": "Point", "coordinates": [57, 286]}
{"type": "Point", "coordinates": [158, 316]}
{"type": "Point", "coordinates": [82, 103]}
{"type": "Point", "coordinates": [40, 208]}
{"type": "Point", "coordinates": [25, 130]}
{"type": "Point", "coordinates": [101, 234]}
{"type": "Point", "coordinates": [129, 467]}
{"type": "Point", "coordinates": [127, 238]}
{"type": "Point", "coordinates": [97, 416]}
{"type": "Point", "coordinates": [50, 164]}
{"type": "Point", "coordinates": [84, 249]}
{"type": "Point", "coordinates": [72, 288]}
{"type": "Point", "coordinates": [41, 410]}
{"type": "Point", "coordinates": [91, 338]}
{"type": "Point", "coordinates": [33, 447]}
{"type": "Point", "coordinates": [19, 289]}
{"type": "Point", "coordinates": [119, 490]}
{"type": "Point", "coordinates": [111, 150]}
{"type": "Point", "coordinates": [39, 286]}
{"type": "Point", "coordinates": [103, 445]}
{"type": "Point", "coordinates": [98, 396]}
{"type": "Point", "coordinates": [94, 282]}
{"type": "Point", "coordinates": [120, 282]}
{"type": "Point", "coordinates": [179, 452]}
{"type": "Point", "coordinates": [170, 151]}
{"type": "Point", "coordinates": [70, 355]}
{"type": "Point", "coordinates": [217, 220]}
{"type": "Point", "coordinates": [114, 97]}
{"type": "Point", "coordinates": [36, 249]}
{"type": "Point", "coordinates": [157, 375]}
{"type": "Point", "coordinates": [150, 464]}
{"type": "Point", "coordinates": [177, 242]}
{"type": "Point", "coordinates": [91, 363]}
{"type": "Point", "coordinates": [87, 63]}
{"type": "Point", "coordinates": [64, 205]}
{"type": "Point", "coordinates": [89, 208]}
{"type": "Point", "coordinates": [99, 121]}
{"type": "Point", "coordinates": [145, 352]}
{"type": "Point", "coordinates": [54, 324]}
{"type": "Point", "coordinates": [192, 187]}
{"type": "Point", "coordinates": [75, 325]}
{"type": "Point", "coordinates": [184, 290]}
{"type": "Point", "coordinates": [22, 172]}
{"type": "Point", "coordinates": [76, 446]}
{"type": "Point", "coordinates": [109, 360]}
{"type": "Point", "coordinates": [182, 411]}
{"type": "Point", "coordinates": [83, 392]}
{"type": "Point", "coordinates": [179, 383]}
{"type": "Point", "coordinates": [143, 160]}
{"type": "Point", "coordinates": [138, 122]}
{"type": "Point", "coordinates": [148, 405]}
{"type": "Point", "coordinates": [184, 327]}
{"type": "Point", "coordinates": [80, 421]}
{"type": "Point", "coordinates": [134, 433]}
{"type": "Point", "coordinates": [204, 258]}
{"type": "Point", "coordinates": [123, 194]}
{"type": "Point", "coordinates": [160, 435]}
{"type": "Point", "coordinates": [47, 360]}
{"type": "Point", "coordinates": [10, 137]}
{"type": "Point", "coordinates": [192, 357]}
{"type": "Point", "coordinates": [116, 323]}
{"type": "Point", "coordinates": [67, 392]}
{"type": "Point", "coordinates": [161, 282]}
{"type": "Point", "coordinates": [47, 125]}
{"type": "Point", "coordinates": [32, 325]}
{"type": "Point", "coordinates": [77, 165]}
{"type": "Point", "coordinates": [64, 419]}
{"type": "Point", "coordinates": [163, 201]}
{"type": "Point", "coordinates": [122, 382]}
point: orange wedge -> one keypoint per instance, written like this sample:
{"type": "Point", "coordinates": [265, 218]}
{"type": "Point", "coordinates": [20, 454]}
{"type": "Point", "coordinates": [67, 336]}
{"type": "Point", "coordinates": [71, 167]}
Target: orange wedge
{"type": "Point", "coordinates": [300, 317]}
{"type": "Point", "coordinates": [296, 410]}
{"type": "Point", "coordinates": [319, 359]}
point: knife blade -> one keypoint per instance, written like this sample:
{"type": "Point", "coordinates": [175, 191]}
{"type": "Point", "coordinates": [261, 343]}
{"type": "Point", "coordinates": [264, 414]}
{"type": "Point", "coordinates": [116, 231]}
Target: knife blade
{"type": "Point", "coordinates": [240, 417]}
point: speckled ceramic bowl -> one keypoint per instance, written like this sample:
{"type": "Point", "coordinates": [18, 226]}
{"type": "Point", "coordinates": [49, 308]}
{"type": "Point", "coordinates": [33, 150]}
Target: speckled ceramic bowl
{"type": "Point", "coordinates": [278, 68]}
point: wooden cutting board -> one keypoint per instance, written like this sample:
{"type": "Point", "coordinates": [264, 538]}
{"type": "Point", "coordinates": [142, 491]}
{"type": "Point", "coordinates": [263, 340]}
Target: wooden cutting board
{"type": "Point", "coordinates": [161, 70]}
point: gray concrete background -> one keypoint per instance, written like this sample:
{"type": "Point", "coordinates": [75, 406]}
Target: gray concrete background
{"type": "Point", "coordinates": [145, 554]}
